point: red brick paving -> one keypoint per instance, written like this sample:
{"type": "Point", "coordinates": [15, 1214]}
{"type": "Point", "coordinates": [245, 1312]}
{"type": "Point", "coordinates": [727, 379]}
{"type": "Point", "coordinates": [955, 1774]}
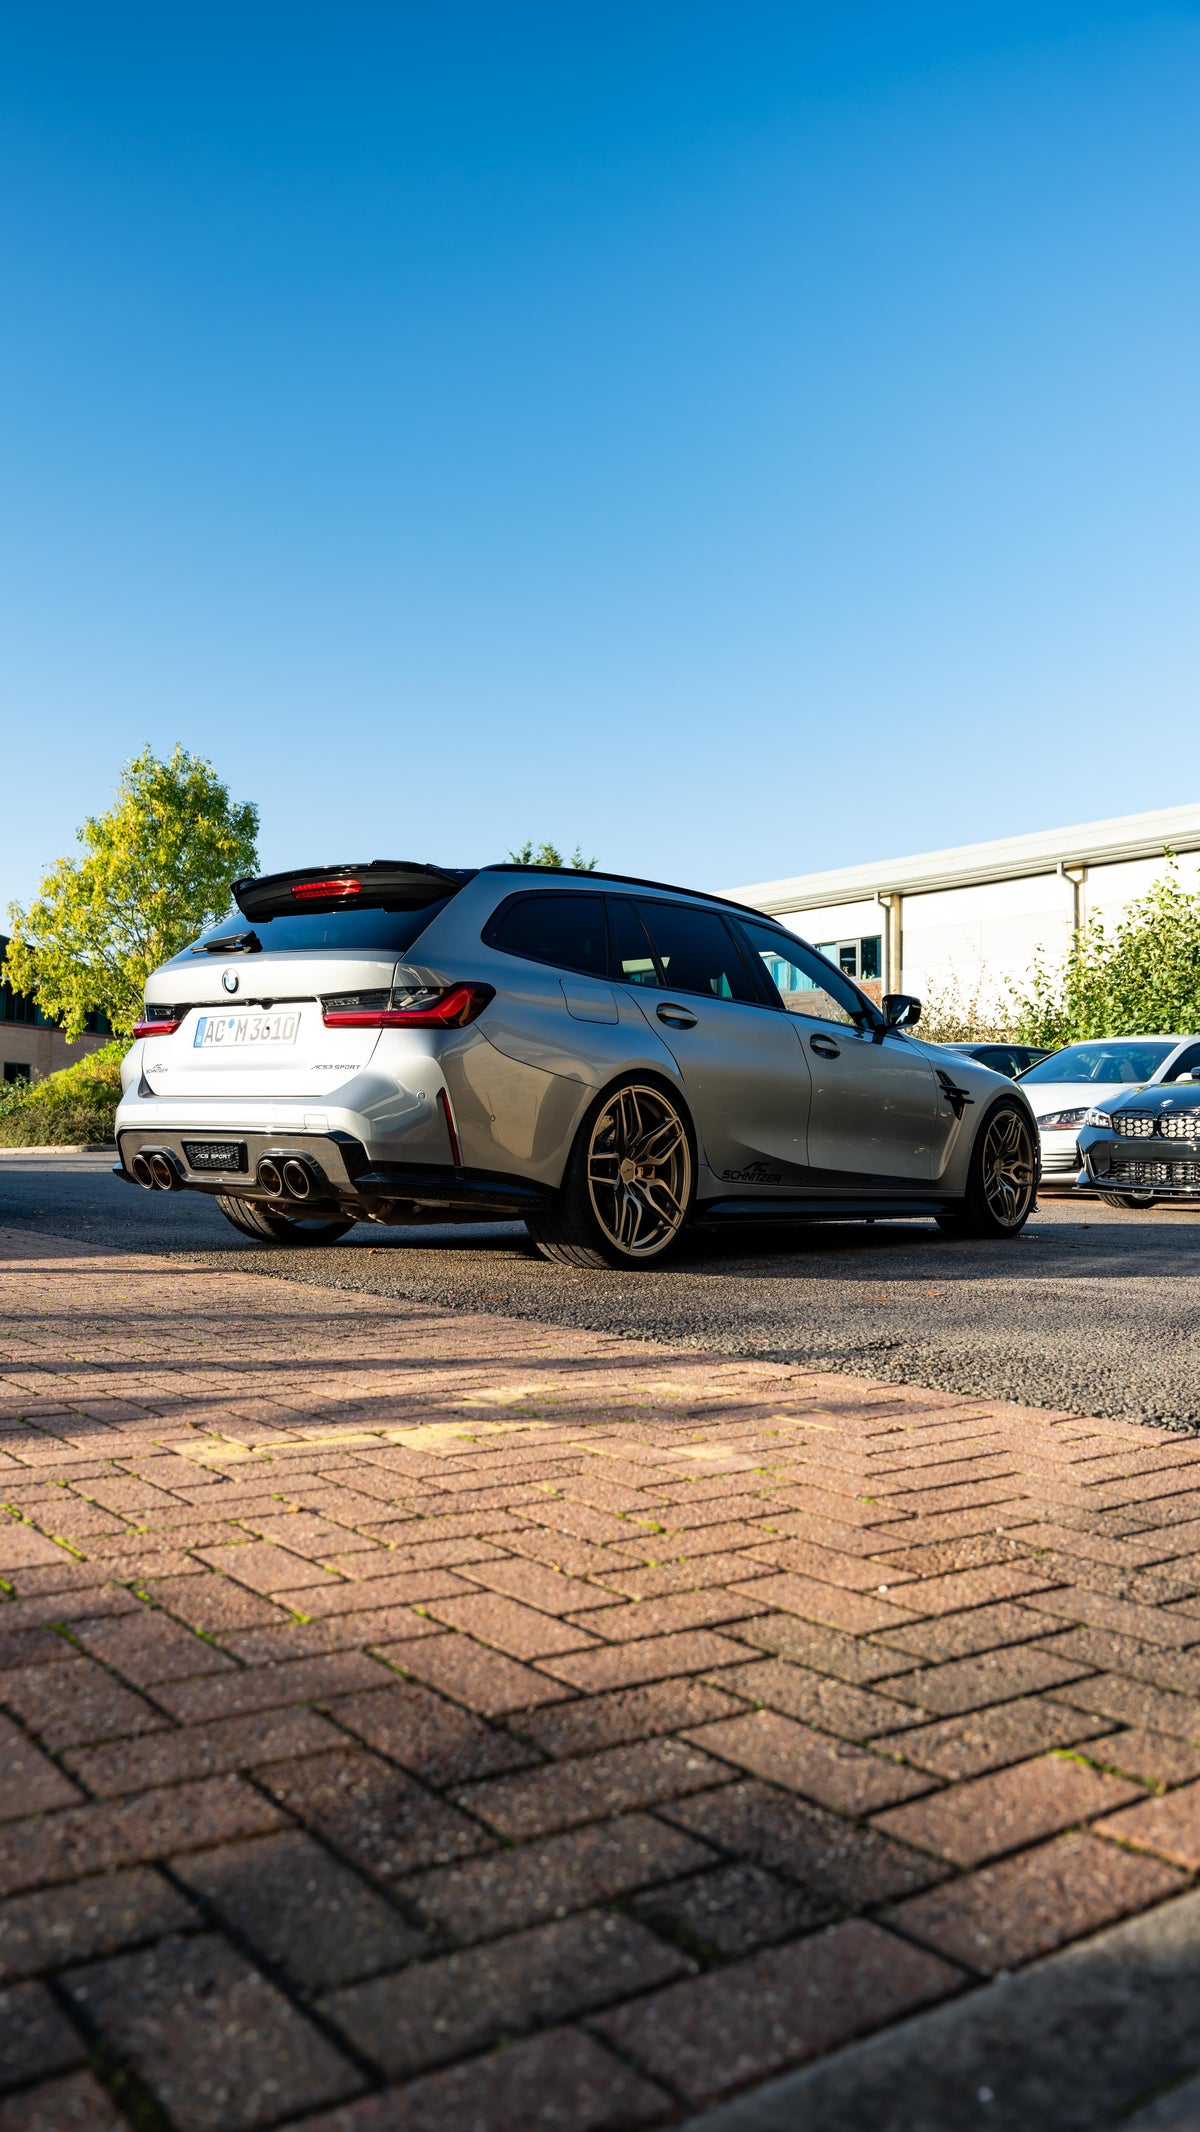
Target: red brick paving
{"type": "Point", "coordinates": [431, 1722]}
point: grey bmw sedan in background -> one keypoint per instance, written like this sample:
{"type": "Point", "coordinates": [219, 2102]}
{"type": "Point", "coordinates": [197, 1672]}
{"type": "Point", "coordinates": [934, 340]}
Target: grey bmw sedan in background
{"type": "Point", "coordinates": [604, 1058]}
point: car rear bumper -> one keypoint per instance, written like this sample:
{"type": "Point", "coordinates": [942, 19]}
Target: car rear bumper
{"type": "Point", "coordinates": [343, 1178]}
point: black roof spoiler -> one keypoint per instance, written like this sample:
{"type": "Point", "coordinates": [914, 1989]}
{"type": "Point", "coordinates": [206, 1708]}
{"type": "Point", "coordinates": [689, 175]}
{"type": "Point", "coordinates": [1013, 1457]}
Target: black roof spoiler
{"type": "Point", "coordinates": [374, 884]}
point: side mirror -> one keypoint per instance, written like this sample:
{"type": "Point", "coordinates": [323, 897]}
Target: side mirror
{"type": "Point", "coordinates": [901, 1010]}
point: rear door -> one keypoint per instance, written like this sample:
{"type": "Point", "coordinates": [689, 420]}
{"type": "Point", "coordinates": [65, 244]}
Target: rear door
{"type": "Point", "coordinates": [740, 1058]}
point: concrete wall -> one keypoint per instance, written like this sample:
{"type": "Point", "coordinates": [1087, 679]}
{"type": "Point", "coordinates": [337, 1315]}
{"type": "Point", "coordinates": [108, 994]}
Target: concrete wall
{"type": "Point", "coordinates": [980, 937]}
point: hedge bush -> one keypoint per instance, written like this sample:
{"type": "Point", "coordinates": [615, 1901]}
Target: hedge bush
{"type": "Point", "coordinates": [67, 1109]}
{"type": "Point", "coordinates": [1143, 979]}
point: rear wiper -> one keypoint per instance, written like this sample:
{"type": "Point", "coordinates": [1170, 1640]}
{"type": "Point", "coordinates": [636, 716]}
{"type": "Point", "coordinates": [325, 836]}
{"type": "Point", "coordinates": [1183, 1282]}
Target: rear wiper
{"type": "Point", "coordinates": [230, 944]}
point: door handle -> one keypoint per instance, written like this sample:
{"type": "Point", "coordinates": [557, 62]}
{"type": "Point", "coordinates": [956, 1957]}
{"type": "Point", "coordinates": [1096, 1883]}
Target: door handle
{"type": "Point", "coordinates": [676, 1017]}
{"type": "Point", "coordinates": [824, 1047]}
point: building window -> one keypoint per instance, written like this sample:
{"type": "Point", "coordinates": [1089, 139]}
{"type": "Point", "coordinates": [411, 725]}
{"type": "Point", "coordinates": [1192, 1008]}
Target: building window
{"type": "Point", "coordinates": [16, 1070]}
{"type": "Point", "coordinates": [862, 959]}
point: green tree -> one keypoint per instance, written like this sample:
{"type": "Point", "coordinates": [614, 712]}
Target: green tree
{"type": "Point", "coordinates": [1143, 979]}
{"type": "Point", "coordinates": [532, 854]}
{"type": "Point", "coordinates": [156, 870]}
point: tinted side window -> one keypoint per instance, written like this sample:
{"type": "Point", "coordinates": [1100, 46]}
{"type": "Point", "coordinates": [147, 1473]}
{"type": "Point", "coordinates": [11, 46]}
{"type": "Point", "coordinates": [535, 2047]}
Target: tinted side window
{"type": "Point", "coordinates": [632, 955]}
{"type": "Point", "coordinates": [697, 951]}
{"type": "Point", "coordinates": [567, 930]}
{"type": "Point", "coordinates": [1187, 1062]}
{"type": "Point", "coordinates": [805, 982]}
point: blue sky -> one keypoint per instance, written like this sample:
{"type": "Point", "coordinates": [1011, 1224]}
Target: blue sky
{"type": "Point", "coordinates": [741, 437]}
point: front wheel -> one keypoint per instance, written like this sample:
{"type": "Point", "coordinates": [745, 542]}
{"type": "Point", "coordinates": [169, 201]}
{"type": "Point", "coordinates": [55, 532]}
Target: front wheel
{"type": "Point", "coordinates": [1137, 1202]}
{"type": "Point", "coordinates": [1001, 1178]}
{"type": "Point", "coordinates": [267, 1227]}
{"type": "Point", "coordinates": [627, 1190]}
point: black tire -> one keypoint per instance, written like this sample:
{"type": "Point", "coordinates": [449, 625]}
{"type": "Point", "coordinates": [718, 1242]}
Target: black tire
{"type": "Point", "coordinates": [267, 1227]}
{"type": "Point", "coordinates": [1002, 1177]}
{"type": "Point", "coordinates": [1137, 1202]}
{"type": "Point", "coordinates": [628, 1186]}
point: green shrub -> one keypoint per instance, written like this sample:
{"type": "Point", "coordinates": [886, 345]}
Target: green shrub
{"type": "Point", "coordinates": [953, 1013]}
{"type": "Point", "coordinates": [1141, 980]}
{"type": "Point", "coordinates": [67, 1109]}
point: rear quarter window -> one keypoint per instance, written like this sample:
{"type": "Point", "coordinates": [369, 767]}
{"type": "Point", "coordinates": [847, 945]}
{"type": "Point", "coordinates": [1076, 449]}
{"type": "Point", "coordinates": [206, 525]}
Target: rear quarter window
{"type": "Point", "coordinates": [568, 931]}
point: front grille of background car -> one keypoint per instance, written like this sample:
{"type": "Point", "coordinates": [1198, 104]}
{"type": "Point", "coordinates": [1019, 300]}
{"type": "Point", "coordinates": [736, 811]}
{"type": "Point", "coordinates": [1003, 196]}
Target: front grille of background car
{"type": "Point", "coordinates": [1131, 1171]}
{"type": "Point", "coordinates": [1143, 1125]}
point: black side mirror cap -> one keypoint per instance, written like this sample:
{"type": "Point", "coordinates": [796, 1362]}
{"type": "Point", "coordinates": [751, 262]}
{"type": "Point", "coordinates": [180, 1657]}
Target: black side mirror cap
{"type": "Point", "coordinates": [901, 1010]}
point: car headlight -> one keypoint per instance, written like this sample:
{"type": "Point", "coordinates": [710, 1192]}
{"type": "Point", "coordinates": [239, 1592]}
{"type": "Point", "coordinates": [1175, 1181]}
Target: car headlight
{"type": "Point", "coordinates": [1102, 1118]}
{"type": "Point", "coordinates": [1056, 1121]}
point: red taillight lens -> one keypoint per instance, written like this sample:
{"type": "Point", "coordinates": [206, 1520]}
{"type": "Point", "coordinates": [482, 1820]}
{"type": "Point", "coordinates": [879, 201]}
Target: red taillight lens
{"type": "Point", "coordinates": [155, 1028]}
{"type": "Point", "coordinates": [452, 1009]}
{"type": "Point", "coordinates": [327, 888]}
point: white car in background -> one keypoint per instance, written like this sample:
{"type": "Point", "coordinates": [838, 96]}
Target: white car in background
{"type": "Point", "coordinates": [1063, 1088]}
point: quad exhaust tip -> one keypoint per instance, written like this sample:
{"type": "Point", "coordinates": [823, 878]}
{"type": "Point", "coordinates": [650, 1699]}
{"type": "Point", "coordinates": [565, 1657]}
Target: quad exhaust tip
{"type": "Point", "coordinates": [287, 1176]}
{"type": "Point", "coordinates": [156, 1170]}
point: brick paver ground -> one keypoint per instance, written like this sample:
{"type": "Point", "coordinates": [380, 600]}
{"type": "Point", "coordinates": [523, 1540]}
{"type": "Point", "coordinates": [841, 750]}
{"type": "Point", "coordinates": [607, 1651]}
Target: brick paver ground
{"type": "Point", "coordinates": [421, 1723]}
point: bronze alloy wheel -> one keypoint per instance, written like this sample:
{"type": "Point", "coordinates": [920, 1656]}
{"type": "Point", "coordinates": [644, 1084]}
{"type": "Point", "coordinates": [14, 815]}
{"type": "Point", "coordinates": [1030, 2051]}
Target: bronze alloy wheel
{"type": "Point", "coordinates": [1009, 1171]}
{"type": "Point", "coordinates": [639, 1171]}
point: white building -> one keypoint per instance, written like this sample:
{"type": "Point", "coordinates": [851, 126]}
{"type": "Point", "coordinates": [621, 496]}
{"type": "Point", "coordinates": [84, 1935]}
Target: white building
{"type": "Point", "coordinates": [973, 917]}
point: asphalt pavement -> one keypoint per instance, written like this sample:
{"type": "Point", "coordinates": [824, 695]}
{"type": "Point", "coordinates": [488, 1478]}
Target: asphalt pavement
{"type": "Point", "coordinates": [1092, 1310]}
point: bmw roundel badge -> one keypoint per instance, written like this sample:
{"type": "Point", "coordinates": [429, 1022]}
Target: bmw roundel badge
{"type": "Point", "coordinates": [229, 978]}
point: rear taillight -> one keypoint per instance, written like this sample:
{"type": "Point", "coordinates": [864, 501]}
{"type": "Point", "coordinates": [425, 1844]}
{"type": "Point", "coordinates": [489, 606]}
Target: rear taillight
{"type": "Point", "coordinates": [326, 888]}
{"type": "Point", "coordinates": [451, 1009]}
{"type": "Point", "coordinates": [155, 1028]}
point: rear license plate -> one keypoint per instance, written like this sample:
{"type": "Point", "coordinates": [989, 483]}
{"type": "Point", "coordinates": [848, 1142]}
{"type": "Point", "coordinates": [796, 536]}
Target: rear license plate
{"type": "Point", "coordinates": [238, 1032]}
{"type": "Point", "coordinates": [215, 1154]}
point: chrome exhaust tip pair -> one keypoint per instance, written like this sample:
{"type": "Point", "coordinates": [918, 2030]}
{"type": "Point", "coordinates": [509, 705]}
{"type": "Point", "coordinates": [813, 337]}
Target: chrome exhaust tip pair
{"type": "Point", "coordinates": [156, 1170]}
{"type": "Point", "coordinates": [290, 1178]}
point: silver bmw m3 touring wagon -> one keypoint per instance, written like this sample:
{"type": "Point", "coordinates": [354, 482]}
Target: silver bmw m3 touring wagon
{"type": "Point", "coordinates": [606, 1059]}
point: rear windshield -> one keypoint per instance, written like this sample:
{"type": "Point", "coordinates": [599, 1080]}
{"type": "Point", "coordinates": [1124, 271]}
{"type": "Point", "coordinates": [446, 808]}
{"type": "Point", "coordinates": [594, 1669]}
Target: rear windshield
{"type": "Point", "coordinates": [1116, 1059]}
{"type": "Point", "coordinates": [392, 931]}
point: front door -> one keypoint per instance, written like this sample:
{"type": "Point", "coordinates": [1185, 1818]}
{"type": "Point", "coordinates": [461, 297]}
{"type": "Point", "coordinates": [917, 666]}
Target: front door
{"type": "Point", "coordinates": [874, 1099]}
{"type": "Point", "coordinates": [741, 1060]}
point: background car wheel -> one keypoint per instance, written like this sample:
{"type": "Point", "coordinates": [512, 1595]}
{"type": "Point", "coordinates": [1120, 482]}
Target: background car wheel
{"type": "Point", "coordinates": [267, 1227]}
{"type": "Point", "coordinates": [1139, 1201]}
{"type": "Point", "coordinates": [627, 1191]}
{"type": "Point", "coordinates": [1001, 1179]}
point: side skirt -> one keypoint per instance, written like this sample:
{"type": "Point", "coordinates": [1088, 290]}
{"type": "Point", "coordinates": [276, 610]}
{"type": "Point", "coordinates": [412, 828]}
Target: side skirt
{"type": "Point", "coordinates": [817, 1208]}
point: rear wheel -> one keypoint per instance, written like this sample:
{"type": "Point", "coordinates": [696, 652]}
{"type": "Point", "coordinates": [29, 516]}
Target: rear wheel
{"type": "Point", "coordinates": [628, 1185]}
{"type": "Point", "coordinates": [1001, 1180]}
{"type": "Point", "coordinates": [267, 1227]}
{"type": "Point", "coordinates": [1133, 1200]}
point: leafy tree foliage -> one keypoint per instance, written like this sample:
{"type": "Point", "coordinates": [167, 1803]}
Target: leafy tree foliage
{"type": "Point", "coordinates": [156, 870]}
{"type": "Point", "coordinates": [532, 854]}
{"type": "Point", "coordinates": [958, 1013]}
{"type": "Point", "coordinates": [1143, 979]}
{"type": "Point", "coordinates": [66, 1109]}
